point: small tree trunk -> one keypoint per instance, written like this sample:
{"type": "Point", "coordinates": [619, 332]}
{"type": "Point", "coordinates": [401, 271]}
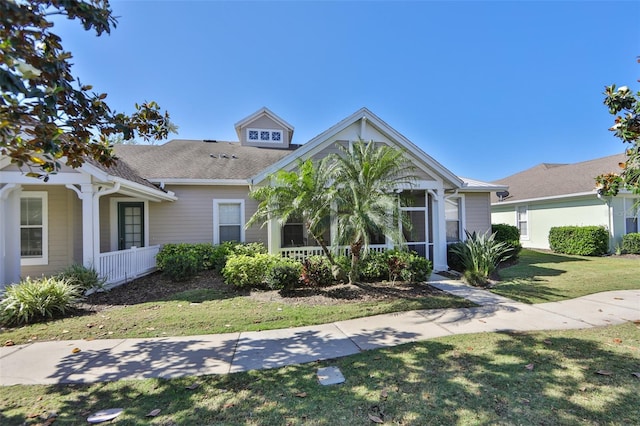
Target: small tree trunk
{"type": "Point", "coordinates": [355, 261]}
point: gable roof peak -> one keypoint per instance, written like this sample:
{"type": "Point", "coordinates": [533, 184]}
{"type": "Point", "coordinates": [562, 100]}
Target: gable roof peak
{"type": "Point", "coordinates": [263, 111]}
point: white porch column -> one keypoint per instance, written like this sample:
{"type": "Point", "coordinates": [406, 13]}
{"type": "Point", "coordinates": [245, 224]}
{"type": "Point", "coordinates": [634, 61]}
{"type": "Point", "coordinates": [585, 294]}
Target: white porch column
{"type": "Point", "coordinates": [274, 236]}
{"type": "Point", "coordinates": [85, 194]}
{"type": "Point", "coordinates": [440, 233]}
{"type": "Point", "coordinates": [9, 234]}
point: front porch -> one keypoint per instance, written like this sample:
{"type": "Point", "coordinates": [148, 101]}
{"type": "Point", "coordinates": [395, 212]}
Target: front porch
{"type": "Point", "coordinates": [434, 216]}
{"type": "Point", "coordinates": [84, 216]}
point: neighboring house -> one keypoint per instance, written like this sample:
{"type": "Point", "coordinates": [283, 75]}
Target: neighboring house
{"type": "Point", "coordinates": [193, 191]}
{"type": "Point", "coordinates": [549, 195]}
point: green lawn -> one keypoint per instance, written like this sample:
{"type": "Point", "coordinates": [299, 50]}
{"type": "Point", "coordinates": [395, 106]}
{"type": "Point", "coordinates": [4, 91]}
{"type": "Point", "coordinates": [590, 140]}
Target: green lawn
{"type": "Point", "coordinates": [197, 312]}
{"type": "Point", "coordinates": [548, 378]}
{"type": "Point", "coordinates": [545, 277]}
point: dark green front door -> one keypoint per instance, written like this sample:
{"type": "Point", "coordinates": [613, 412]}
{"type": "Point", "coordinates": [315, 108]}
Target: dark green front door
{"type": "Point", "coordinates": [130, 225]}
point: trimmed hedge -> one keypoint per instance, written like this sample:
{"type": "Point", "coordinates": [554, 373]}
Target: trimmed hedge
{"type": "Point", "coordinates": [579, 240]}
{"type": "Point", "coordinates": [631, 243]}
{"type": "Point", "coordinates": [510, 235]}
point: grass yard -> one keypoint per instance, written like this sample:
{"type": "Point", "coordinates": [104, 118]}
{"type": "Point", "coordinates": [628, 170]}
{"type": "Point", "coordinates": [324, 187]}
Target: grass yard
{"type": "Point", "coordinates": [156, 307]}
{"type": "Point", "coordinates": [577, 377]}
{"type": "Point", "coordinates": [541, 277]}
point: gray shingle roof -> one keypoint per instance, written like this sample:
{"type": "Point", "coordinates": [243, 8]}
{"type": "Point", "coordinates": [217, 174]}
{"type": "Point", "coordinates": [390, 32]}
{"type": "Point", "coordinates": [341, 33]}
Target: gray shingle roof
{"type": "Point", "coordinates": [550, 180]}
{"type": "Point", "coordinates": [196, 159]}
{"type": "Point", "coordinates": [122, 170]}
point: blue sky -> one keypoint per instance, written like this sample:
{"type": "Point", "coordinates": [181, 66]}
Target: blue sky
{"type": "Point", "coordinates": [486, 88]}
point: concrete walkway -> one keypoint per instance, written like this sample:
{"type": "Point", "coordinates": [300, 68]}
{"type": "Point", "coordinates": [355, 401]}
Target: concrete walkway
{"type": "Point", "coordinates": [115, 359]}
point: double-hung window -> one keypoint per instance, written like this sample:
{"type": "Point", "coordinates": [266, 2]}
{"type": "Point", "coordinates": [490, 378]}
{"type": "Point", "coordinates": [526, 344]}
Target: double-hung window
{"type": "Point", "coordinates": [33, 228]}
{"type": "Point", "coordinates": [522, 221]}
{"type": "Point", "coordinates": [452, 217]}
{"type": "Point", "coordinates": [228, 221]}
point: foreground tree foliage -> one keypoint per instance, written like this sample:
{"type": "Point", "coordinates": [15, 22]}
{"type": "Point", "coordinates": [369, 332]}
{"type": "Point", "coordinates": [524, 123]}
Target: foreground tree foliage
{"type": "Point", "coordinates": [625, 105]}
{"type": "Point", "coordinates": [303, 194]}
{"type": "Point", "coordinates": [367, 204]}
{"type": "Point", "coordinates": [47, 116]}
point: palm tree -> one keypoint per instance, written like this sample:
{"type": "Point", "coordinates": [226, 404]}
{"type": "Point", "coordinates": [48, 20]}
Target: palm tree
{"type": "Point", "coordinates": [366, 179]}
{"type": "Point", "coordinates": [305, 193]}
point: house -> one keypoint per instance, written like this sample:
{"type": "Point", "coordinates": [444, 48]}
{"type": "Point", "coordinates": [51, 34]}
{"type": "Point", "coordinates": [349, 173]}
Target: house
{"type": "Point", "coordinates": [116, 219]}
{"type": "Point", "coordinates": [549, 195]}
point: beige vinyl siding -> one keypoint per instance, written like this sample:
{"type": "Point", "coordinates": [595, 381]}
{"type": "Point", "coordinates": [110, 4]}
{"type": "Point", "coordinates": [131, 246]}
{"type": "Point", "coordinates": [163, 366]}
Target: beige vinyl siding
{"type": "Point", "coordinates": [75, 226]}
{"type": "Point", "coordinates": [105, 229]}
{"type": "Point", "coordinates": [190, 219]}
{"type": "Point", "coordinates": [331, 149]}
{"type": "Point", "coordinates": [60, 250]}
{"type": "Point", "coordinates": [477, 210]}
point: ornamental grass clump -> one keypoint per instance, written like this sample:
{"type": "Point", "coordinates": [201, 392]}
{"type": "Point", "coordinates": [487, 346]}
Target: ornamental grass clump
{"type": "Point", "coordinates": [36, 300]}
{"type": "Point", "coordinates": [86, 278]}
{"type": "Point", "coordinates": [480, 255]}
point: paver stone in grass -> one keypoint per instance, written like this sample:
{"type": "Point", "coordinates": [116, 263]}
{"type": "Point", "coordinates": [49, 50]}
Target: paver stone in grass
{"type": "Point", "coordinates": [330, 376]}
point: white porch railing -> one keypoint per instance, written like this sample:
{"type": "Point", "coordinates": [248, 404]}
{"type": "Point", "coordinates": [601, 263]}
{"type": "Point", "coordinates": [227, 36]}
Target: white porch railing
{"type": "Point", "coordinates": [119, 267]}
{"type": "Point", "coordinates": [301, 253]}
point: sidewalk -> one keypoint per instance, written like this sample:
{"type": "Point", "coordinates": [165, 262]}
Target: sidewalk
{"type": "Point", "coordinates": [116, 359]}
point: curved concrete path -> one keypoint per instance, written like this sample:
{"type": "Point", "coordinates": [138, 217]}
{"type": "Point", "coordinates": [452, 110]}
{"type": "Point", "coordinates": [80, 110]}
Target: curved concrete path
{"type": "Point", "coordinates": [116, 359]}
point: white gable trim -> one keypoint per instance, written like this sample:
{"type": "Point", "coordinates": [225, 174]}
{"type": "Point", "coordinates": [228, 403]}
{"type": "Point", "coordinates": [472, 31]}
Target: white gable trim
{"type": "Point", "coordinates": [323, 140]}
{"type": "Point", "coordinates": [262, 111]}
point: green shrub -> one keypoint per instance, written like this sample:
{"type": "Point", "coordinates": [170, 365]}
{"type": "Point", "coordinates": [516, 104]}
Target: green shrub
{"type": "Point", "coordinates": [316, 271]}
{"type": "Point", "coordinates": [248, 271]}
{"type": "Point", "coordinates": [181, 265]}
{"type": "Point", "coordinates": [34, 300]}
{"type": "Point", "coordinates": [374, 266]}
{"type": "Point", "coordinates": [580, 240]}
{"type": "Point", "coordinates": [631, 243]}
{"type": "Point", "coordinates": [284, 274]}
{"type": "Point", "coordinates": [83, 277]}
{"type": "Point", "coordinates": [248, 249]}
{"type": "Point", "coordinates": [480, 255]}
{"type": "Point", "coordinates": [453, 258]}
{"type": "Point", "coordinates": [395, 265]}
{"type": "Point", "coordinates": [510, 235]}
{"type": "Point", "coordinates": [418, 269]}
{"type": "Point", "coordinates": [205, 254]}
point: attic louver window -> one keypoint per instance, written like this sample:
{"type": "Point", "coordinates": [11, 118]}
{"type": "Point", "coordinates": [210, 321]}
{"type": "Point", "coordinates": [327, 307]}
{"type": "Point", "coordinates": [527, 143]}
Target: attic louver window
{"type": "Point", "coordinates": [264, 135]}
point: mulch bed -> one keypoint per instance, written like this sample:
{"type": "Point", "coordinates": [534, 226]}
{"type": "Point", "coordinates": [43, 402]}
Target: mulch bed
{"type": "Point", "coordinates": [157, 287]}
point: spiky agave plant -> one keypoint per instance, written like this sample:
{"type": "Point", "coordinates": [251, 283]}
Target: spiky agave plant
{"type": "Point", "coordinates": [480, 255]}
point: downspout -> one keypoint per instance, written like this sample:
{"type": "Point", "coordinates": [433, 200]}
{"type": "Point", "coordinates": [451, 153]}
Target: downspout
{"type": "Point", "coordinates": [610, 219]}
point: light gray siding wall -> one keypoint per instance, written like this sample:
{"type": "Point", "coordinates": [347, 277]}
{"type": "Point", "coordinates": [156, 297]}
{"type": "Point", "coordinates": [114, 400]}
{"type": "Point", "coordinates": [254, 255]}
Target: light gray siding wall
{"type": "Point", "coordinates": [190, 218]}
{"type": "Point", "coordinates": [477, 212]}
{"type": "Point", "coordinates": [543, 215]}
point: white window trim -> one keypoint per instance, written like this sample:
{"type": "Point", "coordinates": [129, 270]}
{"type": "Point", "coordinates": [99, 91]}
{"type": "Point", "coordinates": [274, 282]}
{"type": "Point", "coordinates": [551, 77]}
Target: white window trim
{"type": "Point", "coordinates": [216, 217]}
{"type": "Point", "coordinates": [44, 259]}
{"type": "Point", "coordinates": [113, 219]}
{"type": "Point", "coordinates": [260, 140]}
{"type": "Point", "coordinates": [462, 217]}
{"type": "Point", "coordinates": [526, 207]}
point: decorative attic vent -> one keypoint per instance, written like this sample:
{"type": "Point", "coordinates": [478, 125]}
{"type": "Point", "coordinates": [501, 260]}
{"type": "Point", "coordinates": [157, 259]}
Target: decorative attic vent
{"type": "Point", "coordinates": [264, 135]}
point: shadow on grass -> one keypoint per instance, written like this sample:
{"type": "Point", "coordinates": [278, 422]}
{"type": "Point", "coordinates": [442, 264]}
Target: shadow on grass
{"type": "Point", "coordinates": [523, 280]}
{"type": "Point", "coordinates": [480, 380]}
